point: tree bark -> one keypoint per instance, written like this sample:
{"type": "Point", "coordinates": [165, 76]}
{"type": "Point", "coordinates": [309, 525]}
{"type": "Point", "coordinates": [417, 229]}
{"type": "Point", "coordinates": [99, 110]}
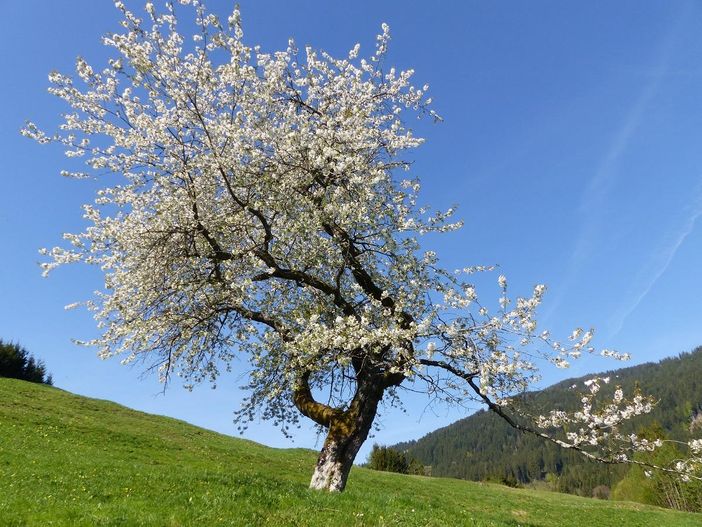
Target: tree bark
{"type": "Point", "coordinates": [348, 430]}
{"type": "Point", "coordinates": [336, 459]}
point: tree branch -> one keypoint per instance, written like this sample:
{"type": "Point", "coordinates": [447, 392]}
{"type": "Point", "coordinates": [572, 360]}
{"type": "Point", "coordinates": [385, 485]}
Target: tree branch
{"type": "Point", "coordinates": [362, 277]}
{"type": "Point", "coordinates": [320, 413]}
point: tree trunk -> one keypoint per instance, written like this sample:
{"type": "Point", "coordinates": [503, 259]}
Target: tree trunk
{"type": "Point", "coordinates": [336, 459]}
{"type": "Point", "coordinates": [347, 432]}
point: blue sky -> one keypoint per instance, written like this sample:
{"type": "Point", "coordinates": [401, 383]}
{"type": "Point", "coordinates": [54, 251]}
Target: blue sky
{"type": "Point", "coordinates": [571, 143]}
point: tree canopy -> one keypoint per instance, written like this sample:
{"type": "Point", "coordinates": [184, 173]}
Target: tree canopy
{"type": "Point", "coordinates": [265, 211]}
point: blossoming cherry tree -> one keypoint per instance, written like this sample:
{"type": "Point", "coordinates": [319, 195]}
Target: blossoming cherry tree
{"type": "Point", "coordinates": [264, 212]}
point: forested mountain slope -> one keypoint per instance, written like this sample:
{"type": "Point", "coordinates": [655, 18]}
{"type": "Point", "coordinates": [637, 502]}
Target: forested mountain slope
{"type": "Point", "coordinates": [484, 447]}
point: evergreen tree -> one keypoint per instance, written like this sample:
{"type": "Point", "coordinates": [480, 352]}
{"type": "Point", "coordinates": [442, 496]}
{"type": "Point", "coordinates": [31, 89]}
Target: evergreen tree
{"type": "Point", "coordinates": [17, 363]}
{"type": "Point", "coordinates": [391, 460]}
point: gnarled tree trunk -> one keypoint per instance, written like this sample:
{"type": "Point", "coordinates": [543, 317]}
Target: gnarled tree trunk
{"type": "Point", "coordinates": [346, 435]}
{"type": "Point", "coordinates": [348, 429]}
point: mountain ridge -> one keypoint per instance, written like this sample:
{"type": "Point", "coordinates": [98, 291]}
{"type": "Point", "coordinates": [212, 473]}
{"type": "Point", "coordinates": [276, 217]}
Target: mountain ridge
{"type": "Point", "coordinates": [484, 447]}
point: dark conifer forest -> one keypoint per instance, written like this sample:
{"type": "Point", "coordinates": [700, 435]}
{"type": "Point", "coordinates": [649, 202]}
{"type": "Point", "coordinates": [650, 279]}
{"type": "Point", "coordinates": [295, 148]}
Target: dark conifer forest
{"type": "Point", "coordinates": [483, 447]}
{"type": "Point", "coordinates": [17, 363]}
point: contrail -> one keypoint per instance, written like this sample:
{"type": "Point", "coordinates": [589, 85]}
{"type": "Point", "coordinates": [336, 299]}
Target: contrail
{"type": "Point", "coordinates": [670, 253]}
{"type": "Point", "coordinates": [606, 174]}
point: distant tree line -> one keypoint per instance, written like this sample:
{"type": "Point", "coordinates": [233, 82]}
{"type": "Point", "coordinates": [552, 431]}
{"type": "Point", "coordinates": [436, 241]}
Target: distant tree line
{"type": "Point", "coordinates": [656, 488]}
{"type": "Point", "coordinates": [17, 363]}
{"type": "Point", "coordinates": [483, 448]}
{"type": "Point", "coordinates": [391, 460]}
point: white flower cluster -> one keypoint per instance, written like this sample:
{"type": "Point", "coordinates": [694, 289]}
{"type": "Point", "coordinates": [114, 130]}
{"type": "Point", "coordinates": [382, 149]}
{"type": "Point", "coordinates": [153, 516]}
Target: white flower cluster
{"type": "Point", "coordinates": [596, 430]}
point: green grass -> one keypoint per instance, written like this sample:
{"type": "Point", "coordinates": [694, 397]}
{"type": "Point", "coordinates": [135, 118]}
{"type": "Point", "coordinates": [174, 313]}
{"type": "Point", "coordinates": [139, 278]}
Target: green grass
{"type": "Point", "coordinates": [69, 460]}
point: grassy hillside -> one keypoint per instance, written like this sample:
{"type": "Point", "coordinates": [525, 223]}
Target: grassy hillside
{"type": "Point", "coordinates": [68, 460]}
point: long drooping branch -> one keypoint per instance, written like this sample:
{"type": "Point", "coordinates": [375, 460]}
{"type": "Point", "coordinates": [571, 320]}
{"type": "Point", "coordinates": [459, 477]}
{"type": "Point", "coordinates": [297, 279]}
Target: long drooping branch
{"type": "Point", "coordinates": [469, 378]}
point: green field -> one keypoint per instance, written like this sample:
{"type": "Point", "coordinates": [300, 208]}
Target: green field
{"type": "Point", "coordinates": [69, 460]}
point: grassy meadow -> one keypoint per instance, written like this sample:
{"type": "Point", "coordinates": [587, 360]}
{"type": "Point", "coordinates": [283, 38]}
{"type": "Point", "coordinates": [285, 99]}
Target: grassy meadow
{"type": "Point", "coordinates": [72, 461]}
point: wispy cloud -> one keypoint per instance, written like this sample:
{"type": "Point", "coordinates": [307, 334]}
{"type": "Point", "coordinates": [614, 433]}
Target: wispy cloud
{"type": "Point", "coordinates": [606, 175]}
{"type": "Point", "coordinates": [663, 259]}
